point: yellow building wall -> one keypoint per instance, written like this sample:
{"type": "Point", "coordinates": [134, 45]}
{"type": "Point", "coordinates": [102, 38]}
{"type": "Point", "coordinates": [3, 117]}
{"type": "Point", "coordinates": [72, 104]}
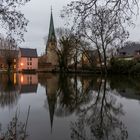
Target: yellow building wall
{"type": "Point", "coordinates": [23, 63]}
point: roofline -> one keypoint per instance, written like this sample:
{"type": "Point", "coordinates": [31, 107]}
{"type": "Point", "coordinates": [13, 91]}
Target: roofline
{"type": "Point", "coordinates": [28, 48]}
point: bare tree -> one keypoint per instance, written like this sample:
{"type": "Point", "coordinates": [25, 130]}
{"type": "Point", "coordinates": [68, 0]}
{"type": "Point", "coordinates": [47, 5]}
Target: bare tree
{"type": "Point", "coordinates": [16, 130]}
{"type": "Point", "coordinates": [104, 30]}
{"type": "Point", "coordinates": [8, 50]}
{"type": "Point", "coordinates": [82, 9]}
{"type": "Point", "coordinates": [65, 48]}
{"type": "Point", "coordinates": [102, 22]}
{"type": "Point", "coordinates": [12, 19]}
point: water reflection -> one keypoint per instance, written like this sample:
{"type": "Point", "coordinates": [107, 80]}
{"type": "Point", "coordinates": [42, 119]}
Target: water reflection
{"type": "Point", "coordinates": [9, 92]}
{"type": "Point", "coordinates": [96, 109]}
{"type": "Point", "coordinates": [28, 83]}
{"type": "Point", "coordinates": [94, 106]}
{"type": "Point", "coordinates": [12, 86]}
{"type": "Point", "coordinates": [99, 119]}
{"type": "Point", "coordinates": [128, 87]}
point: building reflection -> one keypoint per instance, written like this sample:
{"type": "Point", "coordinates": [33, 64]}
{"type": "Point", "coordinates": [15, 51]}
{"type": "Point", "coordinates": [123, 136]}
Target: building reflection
{"type": "Point", "coordinates": [28, 83]}
{"type": "Point", "coordinates": [9, 92]}
{"type": "Point", "coordinates": [90, 100]}
{"type": "Point", "coordinates": [11, 86]}
{"type": "Point", "coordinates": [50, 82]}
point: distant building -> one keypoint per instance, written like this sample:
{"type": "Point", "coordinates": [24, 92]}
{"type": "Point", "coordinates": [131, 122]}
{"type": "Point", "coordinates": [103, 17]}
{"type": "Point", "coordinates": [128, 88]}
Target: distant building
{"type": "Point", "coordinates": [27, 59]}
{"type": "Point", "coordinates": [90, 58]}
{"type": "Point", "coordinates": [129, 52]}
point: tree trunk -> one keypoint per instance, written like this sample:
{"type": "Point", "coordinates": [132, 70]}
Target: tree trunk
{"type": "Point", "coordinates": [9, 69]}
{"type": "Point", "coordinates": [105, 64]}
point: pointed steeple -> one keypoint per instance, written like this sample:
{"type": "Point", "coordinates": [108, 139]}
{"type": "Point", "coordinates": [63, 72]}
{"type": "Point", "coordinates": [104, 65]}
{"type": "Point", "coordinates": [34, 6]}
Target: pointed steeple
{"type": "Point", "coordinates": [51, 103]}
{"type": "Point", "coordinates": [51, 36]}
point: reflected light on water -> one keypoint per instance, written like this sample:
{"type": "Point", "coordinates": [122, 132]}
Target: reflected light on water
{"type": "Point", "coordinates": [89, 106]}
{"type": "Point", "coordinates": [21, 79]}
{"type": "Point", "coordinates": [15, 78]}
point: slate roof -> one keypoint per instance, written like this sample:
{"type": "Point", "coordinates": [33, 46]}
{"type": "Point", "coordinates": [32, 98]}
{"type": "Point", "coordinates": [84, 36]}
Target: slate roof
{"type": "Point", "coordinates": [129, 50]}
{"type": "Point", "coordinates": [28, 52]}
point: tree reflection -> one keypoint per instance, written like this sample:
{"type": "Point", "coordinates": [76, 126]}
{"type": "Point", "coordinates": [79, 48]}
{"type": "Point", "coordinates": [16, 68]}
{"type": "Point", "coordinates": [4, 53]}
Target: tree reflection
{"type": "Point", "coordinates": [92, 102]}
{"type": "Point", "coordinates": [128, 87]}
{"type": "Point", "coordinates": [99, 119]}
{"type": "Point", "coordinates": [8, 91]}
{"type": "Point", "coordinates": [71, 95]}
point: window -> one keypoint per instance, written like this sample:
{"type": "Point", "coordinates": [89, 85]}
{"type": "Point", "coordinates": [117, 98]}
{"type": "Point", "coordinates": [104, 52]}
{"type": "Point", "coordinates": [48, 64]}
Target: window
{"type": "Point", "coordinates": [30, 59]}
{"type": "Point", "coordinates": [30, 63]}
{"type": "Point", "coordinates": [14, 66]}
{"type": "Point", "coordinates": [27, 63]}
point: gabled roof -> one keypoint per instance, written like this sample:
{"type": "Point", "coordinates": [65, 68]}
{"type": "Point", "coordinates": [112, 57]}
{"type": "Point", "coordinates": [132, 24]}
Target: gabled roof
{"type": "Point", "coordinates": [129, 50]}
{"type": "Point", "coordinates": [28, 52]}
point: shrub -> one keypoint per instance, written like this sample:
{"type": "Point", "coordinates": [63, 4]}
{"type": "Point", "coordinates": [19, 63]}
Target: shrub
{"type": "Point", "coordinates": [135, 69]}
{"type": "Point", "coordinates": [121, 66]}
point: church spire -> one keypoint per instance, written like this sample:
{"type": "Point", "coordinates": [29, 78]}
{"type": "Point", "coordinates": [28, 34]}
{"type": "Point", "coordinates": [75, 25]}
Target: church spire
{"type": "Point", "coordinates": [51, 36]}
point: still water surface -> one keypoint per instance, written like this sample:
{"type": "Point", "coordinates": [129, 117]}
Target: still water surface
{"type": "Point", "coordinates": [70, 107]}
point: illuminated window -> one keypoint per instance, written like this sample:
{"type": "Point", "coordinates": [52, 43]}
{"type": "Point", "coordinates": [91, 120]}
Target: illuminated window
{"type": "Point", "coordinates": [14, 66]}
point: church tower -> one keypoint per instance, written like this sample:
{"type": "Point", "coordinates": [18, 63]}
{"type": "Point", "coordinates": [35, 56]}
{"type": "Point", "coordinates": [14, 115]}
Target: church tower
{"type": "Point", "coordinates": [51, 45]}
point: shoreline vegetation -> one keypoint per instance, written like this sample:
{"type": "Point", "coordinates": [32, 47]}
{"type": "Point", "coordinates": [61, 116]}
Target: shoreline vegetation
{"type": "Point", "coordinates": [116, 66]}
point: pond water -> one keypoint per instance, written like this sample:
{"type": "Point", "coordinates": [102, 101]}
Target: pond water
{"type": "Point", "coordinates": [72, 107]}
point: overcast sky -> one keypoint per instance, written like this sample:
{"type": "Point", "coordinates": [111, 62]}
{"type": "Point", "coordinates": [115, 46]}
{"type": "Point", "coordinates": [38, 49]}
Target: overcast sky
{"type": "Point", "coordinates": [38, 14]}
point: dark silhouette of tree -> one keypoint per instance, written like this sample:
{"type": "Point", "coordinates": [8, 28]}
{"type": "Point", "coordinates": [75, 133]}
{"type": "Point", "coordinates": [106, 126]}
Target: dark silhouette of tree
{"type": "Point", "coordinates": [12, 19]}
{"type": "Point", "coordinates": [65, 48]}
{"type": "Point", "coordinates": [103, 23]}
{"type": "Point", "coordinates": [16, 129]}
{"type": "Point", "coordinates": [9, 52]}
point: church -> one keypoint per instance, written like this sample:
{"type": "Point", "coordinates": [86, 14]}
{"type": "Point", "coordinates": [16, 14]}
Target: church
{"type": "Point", "coordinates": [49, 61]}
{"type": "Point", "coordinates": [51, 46]}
